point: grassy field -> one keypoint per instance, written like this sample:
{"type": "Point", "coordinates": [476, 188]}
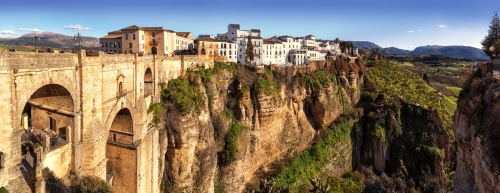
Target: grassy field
{"type": "Point", "coordinates": [442, 78]}
{"type": "Point", "coordinates": [406, 64]}
{"type": "Point", "coordinates": [455, 89]}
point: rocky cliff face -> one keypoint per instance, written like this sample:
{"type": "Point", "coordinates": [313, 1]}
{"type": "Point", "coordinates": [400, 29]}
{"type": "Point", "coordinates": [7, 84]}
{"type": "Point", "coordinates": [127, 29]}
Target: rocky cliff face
{"type": "Point", "coordinates": [476, 130]}
{"type": "Point", "coordinates": [225, 129]}
{"type": "Point", "coordinates": [275, 116]}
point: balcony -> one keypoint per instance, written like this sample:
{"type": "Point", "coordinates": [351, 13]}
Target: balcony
{"type": "Point", "coordinates": [153, 43]}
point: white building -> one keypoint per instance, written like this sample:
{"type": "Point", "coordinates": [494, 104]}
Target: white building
{"type": "Point", "coordinates": [228, 49]}
{"type": "Point", "coordinates": [235, 34]}
{"type": "Point", "coordinates": [279, 50]}
{"type": "Point", "coordinates": [183, 41]}
{"type": "Point", "coordinates": [299, 57]}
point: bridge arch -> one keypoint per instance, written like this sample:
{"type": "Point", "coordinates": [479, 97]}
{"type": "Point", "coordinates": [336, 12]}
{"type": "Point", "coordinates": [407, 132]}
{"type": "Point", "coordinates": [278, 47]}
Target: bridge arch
{"type": "Point", "coordinates": [47, 119]}
{"type": "Point", "coordinates": [27, 85]}
{"type": "Point", "coordinates": [121, 152]}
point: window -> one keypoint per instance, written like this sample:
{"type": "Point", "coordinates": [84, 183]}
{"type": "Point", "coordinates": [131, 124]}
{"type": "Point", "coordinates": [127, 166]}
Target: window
{"type": "Point", "coordinates": [102, 45]}
{"type": "Point", "coordinates": [229, 46]}
{"type": "Point", "coordinates": [230, 51]}
{"type": "Point", "coordinates": [133, 36]}
{"type": "Point", "coordinates": [153, 34]}
{"type": "Point", "coordinates": [126, 36]}
{"type": "Point", "coordinates": [130, 45]}
{"type": "Point", "coordinates": [240, 56]}
{"type": "Point", "coordinates": [106, 44]}
{"type": "Point", "coordinates": [225, 53]}
{"type": "Point", "coordinates": [119, 45]}
{"type": "Point", "coordinates": [240, 49]}
{"type": "Point", "coordinates": [221, 52]}
{"type": "Point", "coordinates": [142, 37]}
{"type": "Point", "coordinates": [114, 136]}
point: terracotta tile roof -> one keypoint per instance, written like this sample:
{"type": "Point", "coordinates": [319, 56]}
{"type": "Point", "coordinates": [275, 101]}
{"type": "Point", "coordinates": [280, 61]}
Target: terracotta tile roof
{"type": "Point", "coordinates": [268, 42]}
{"type": "Point", "coordinates": [132, 27]}
{"type": "Point", "coordinates": [183, 34]}
{"type": "Point", "coordinates": [152, 28]}
{"type": "Point", "coordinates": [206, 39]}
{"type": "Point", "coordinates": [112, 36]}
{"type": "Point", "coordinates": [225, 41]}
{"type": "Point", "coordinates": [115, 32]}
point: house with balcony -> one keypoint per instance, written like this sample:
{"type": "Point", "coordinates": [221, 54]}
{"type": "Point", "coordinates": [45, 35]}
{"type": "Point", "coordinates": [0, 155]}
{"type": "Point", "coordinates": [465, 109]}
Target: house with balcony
{"type": "Point", "coordinates": [143, 40]}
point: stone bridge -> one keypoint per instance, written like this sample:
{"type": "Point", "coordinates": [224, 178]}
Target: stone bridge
{"type": "Point", "coordinates": [88, 114]}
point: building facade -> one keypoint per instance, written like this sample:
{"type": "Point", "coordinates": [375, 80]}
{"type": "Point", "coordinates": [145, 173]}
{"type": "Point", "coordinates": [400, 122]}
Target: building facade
{"type": "Point", "coordinates": [141, 40]}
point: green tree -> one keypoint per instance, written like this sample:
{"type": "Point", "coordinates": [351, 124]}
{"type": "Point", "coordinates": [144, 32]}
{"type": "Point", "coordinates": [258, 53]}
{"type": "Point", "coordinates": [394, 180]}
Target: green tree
{"type": "Point", "coordinates": [493, 35]}
{"type": "Point", "coordinates": [336, 40]}
{"type": "Point", "coordinates": [249, 52]}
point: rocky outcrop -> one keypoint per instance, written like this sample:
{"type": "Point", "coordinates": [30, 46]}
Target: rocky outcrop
{"type": "Point", "coordinates": [476, 131]}
{"type": "Point", "coordinates": [274, 126]}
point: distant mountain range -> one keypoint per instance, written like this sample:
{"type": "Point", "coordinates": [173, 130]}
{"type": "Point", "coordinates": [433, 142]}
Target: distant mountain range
{"type": "Point", "coordinates": [450, 51]}
{"type": "Point", "coordinates": [50, 40]}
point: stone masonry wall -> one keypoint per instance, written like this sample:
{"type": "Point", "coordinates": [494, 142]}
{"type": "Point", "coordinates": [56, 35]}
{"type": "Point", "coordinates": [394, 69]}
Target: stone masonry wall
{"type": "Point", "coordinates": [93, 83]}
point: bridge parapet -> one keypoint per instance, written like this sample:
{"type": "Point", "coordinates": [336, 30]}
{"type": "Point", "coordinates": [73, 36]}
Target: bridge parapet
{"type": "Point", "coordinates": [31, 60]}
{"type": "Point", "coordinates": [117, 58]}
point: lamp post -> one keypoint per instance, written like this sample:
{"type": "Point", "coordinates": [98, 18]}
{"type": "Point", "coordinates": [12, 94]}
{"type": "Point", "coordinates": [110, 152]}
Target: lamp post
{"type": "Point", "coordinates": [37, 39]}
{"type": "Point", "coordinates": [78, 38]}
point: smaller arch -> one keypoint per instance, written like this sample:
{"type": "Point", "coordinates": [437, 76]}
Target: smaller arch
{"type": "Point", "coordinates": [148, 82]}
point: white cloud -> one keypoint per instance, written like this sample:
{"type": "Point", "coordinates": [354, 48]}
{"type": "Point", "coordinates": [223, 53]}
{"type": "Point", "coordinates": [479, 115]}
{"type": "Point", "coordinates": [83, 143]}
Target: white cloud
{"type": "Point", "coordinates": [411, 31]}
{"type": "Point", "coordinates": [76, 27]}
{"type": "Point", "coordinates": [25, 29]}
{"type": "Point", "coordinates": [421, 30]}
{"type": "Point", "coordinates": [10, 32]}
{"type": "Point", "coordinates": [441, 25]}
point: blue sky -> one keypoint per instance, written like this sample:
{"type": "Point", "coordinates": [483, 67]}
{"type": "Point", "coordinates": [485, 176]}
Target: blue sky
{"type": "Point", "coordinates": [400, 23]}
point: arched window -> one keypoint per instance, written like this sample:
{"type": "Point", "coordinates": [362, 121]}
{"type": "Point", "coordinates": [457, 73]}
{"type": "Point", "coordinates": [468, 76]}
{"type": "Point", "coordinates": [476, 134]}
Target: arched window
{"type": "Point", "coordinates": [224, 53]}
{"type": "Point", "coordinates": [120, 87]}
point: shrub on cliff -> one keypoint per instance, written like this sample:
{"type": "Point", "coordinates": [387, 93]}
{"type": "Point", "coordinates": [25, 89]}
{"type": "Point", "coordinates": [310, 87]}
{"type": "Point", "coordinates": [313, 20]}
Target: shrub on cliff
{"type": "Point", "coordinates": [308, 164]}
{"type": "Point", "coordinates": [228, 155]}
{"type": "Point", "coordinates": [268, 87]}
{"type": "Point", "coordinates": [89, 184]}
{"type": "Point", "coordinates": [3, 190]}
{"type": "Point", "coordinates": [184, 94]}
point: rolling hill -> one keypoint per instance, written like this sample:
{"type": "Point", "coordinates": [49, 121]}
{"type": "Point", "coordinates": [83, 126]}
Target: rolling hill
{"type": "Point", "coordinates": [450, 51]}
{"type": "Point", "coordinates": [50, 40]}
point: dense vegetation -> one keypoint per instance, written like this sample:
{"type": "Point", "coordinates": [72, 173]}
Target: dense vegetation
{"type": "Point", "coordinates": [296, 176]}
{"type": "Point", "coordinates": [394, 82]}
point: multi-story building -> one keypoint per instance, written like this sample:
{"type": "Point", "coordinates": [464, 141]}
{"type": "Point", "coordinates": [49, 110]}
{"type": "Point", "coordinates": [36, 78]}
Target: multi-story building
{"type": "Point", "coordinates": [142, 40]}
{"type": "Point", "coordinates": [235, 34]}
{"type": "Point", "coordinates": [112, 43]}
{"type": "Point", "coordinates": [228, 49]}
{"type": "Point", "coordinates": [183, 42]}
{"type": "Point", "coordinates": [299, 57]}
